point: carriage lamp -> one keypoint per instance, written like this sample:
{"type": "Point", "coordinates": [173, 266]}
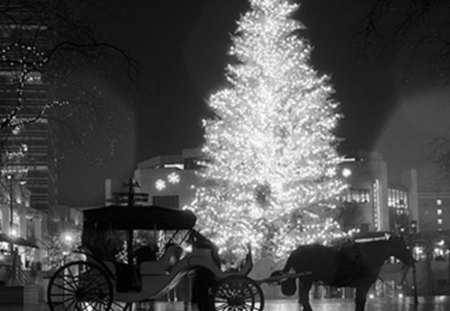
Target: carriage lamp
{"type": "Point", "coordinates": [187, 248]}
{"type": "Point", "coordinates": [68, 238]}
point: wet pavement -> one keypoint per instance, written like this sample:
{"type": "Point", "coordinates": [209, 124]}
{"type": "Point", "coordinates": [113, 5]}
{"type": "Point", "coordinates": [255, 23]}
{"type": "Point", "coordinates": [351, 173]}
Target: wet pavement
{"type": "Point", "coordinates": [437, 303]}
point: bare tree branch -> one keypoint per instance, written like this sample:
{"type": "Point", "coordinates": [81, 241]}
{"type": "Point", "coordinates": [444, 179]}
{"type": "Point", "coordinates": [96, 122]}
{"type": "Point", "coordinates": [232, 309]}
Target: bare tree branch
{"type": "Point", "coordinates": [389, 25]}
{"type": "Point", "coordinates": [46, 45]}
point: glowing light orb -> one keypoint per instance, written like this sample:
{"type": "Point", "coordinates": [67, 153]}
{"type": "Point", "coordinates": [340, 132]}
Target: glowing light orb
{"type": "Point", "coordinates": [346, 172]}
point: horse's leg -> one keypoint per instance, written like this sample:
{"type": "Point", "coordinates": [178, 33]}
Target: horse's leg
{"type": "Point", "coordinates": [361, 296]}
{"type": "Point", "coordinates": [304, 285]}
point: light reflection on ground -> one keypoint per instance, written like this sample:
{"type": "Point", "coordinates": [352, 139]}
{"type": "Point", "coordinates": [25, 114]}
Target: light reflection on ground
{"type": "Point", "coordinates": [439, 303]}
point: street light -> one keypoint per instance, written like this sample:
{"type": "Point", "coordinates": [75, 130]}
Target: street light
{"type": "Point", "coordinates": [11, 209]}
{"type": "Point", "coordinates": [12, 231]}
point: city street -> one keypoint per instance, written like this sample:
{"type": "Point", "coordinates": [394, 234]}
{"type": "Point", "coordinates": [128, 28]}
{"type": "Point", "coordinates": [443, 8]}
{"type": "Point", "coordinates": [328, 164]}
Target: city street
{"type": "Point", "coordinates": [438, 303]}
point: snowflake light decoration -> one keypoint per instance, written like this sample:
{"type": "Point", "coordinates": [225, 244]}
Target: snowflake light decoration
{"type": "Point", "coordinates": [173, 178]}
{"type": "Point", "coordinates": [160, 184]}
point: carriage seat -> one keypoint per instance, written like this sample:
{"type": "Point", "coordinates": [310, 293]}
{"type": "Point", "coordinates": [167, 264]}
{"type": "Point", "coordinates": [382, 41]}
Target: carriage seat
{"type": "Point", "coordinates": [164, 264]}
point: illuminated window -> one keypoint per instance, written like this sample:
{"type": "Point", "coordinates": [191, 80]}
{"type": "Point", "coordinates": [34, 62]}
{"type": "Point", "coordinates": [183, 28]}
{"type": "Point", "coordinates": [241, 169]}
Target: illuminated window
{"type": "Point", "coordinates": [439, 221]}
{"type": "Point", "coordinates": [15, 229]}
{"type": "Point", "coordinates": [439, 202]}
{"type": "Point", "coordinates": [179, 166]}
{"type": "Point", "coordinates": [439, 211]}
{"type": "Point", "coordinates": [440, 254]}
{"type": "Point", "coordinates": [30, 225]}
{"type": "Point", "coordinates": [397, 198]}
{"type": "Point", "coordinates": [33, 78]}
{"type": "Point", "coordinates": [419, 253]}
{"type": "Point", "coordinates": [357, 196]}
{"type": "Point", "coordinates": [16, 218]}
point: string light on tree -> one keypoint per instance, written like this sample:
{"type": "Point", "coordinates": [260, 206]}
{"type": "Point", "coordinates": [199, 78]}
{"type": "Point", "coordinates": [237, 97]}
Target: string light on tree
{"type": "Point", "coordinates": [271, 172]}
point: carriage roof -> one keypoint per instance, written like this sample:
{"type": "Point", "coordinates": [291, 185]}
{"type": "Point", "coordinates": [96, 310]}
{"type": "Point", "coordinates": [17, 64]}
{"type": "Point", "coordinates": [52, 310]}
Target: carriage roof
{"type": "Point", "coordinates": [145, 217]}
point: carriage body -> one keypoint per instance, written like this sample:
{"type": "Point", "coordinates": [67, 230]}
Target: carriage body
{"type": "Point", "coordinates": [102, 281]}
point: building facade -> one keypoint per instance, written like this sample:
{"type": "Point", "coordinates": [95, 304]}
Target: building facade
{"type": "Point", "coordinates": [24, 92]}
{"type": "Point", "coordinates": [434, 215]}
{"type": "Point", "coordinates": [372, 202]}
{"type": "Point", "coordinates": [21, 233]}
{"type": "Point", "coordinates": [168, 180]}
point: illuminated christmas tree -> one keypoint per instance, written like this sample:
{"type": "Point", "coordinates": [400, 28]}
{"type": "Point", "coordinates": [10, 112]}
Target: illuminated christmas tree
{"type": "Point", "coordinates": [270, 176]}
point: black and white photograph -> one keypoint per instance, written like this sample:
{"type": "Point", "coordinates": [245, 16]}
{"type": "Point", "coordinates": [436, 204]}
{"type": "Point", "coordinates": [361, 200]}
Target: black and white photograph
{"type": "Point", "coordinates": [224, 155]}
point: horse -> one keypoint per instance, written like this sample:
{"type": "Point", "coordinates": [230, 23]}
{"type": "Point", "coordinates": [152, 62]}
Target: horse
{"type": "Point", "coordinates": [356, 264]}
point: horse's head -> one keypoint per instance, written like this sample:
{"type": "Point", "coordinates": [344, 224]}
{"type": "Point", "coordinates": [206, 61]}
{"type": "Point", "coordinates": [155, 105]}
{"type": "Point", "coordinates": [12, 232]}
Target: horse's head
{"type": "Point", "coordinates": [400, 250]}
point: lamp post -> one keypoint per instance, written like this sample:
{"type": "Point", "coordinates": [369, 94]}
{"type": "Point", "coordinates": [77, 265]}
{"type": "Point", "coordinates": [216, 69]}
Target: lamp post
{"type": "Point", "coordinates": [11, 210]}
{"type": "Point", "coordinates": [413, 233]}
{"type": "Point", "coordinates": [11, 224]}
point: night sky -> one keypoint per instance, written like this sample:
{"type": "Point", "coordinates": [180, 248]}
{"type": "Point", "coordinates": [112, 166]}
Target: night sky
{"type": "Point", "coordinates": [182, 46]}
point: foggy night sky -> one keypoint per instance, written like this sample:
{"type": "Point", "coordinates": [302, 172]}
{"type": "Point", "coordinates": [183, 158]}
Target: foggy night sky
{"type": "Point", "coordinates": [182, 45]}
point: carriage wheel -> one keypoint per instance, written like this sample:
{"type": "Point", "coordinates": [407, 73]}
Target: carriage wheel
{"type": "Point", "coordinates": [238, 292]}
{"type": "Point", "coordinates": [80, 286]}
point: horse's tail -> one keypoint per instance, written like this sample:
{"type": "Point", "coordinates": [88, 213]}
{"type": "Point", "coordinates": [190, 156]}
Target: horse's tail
{"type": "Point", "coordinates": [289, 286]}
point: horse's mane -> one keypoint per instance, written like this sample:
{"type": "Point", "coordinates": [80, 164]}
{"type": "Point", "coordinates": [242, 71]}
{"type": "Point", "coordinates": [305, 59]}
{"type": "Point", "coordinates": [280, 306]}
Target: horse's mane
{"type": "Point", "coordinates": [342, 243]}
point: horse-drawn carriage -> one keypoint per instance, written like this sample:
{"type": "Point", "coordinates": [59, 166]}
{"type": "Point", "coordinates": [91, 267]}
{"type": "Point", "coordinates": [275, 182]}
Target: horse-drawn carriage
{"type": "Point", "coordinates": [102, 282]}
{"type": "Point", "coordinates": [105, 281]}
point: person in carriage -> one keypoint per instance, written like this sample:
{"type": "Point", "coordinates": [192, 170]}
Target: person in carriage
{"type": "Point", "coordinates": [203, 280]}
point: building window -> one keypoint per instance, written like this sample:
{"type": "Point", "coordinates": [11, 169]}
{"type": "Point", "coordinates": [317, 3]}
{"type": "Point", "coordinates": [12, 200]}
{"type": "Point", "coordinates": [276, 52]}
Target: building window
{"type": "Point", "coordinates": [439, 221]}
{"type": "Point", "coordinates": [192, 164]}
{"type": "Point", "coordinates": [15, 230]}
{"type": "Point", "coordinates": [439, 211]}
{"type": "Point", "coordinates": [357, 196]}
{"type": "Point", "coordinates": [419, 253]}
{"type": "Point", "coordinates": [33, 78]}
{"type": "Point", "coordinates": [166, 201]}
{"type": "Point", "coordinates": [179, 166]}
{"type": "Point", "coordinates": [30, 230]}
{"type": "Point", "coordinates": [439, 202]}
{"type": "Point", "coordinates": [397, 198]}
{"type": "Point", "coordinates": [440, 254]}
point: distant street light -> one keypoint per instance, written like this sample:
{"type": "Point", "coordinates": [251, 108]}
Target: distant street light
{"type": "Point", "coordinates": [12, 232]}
